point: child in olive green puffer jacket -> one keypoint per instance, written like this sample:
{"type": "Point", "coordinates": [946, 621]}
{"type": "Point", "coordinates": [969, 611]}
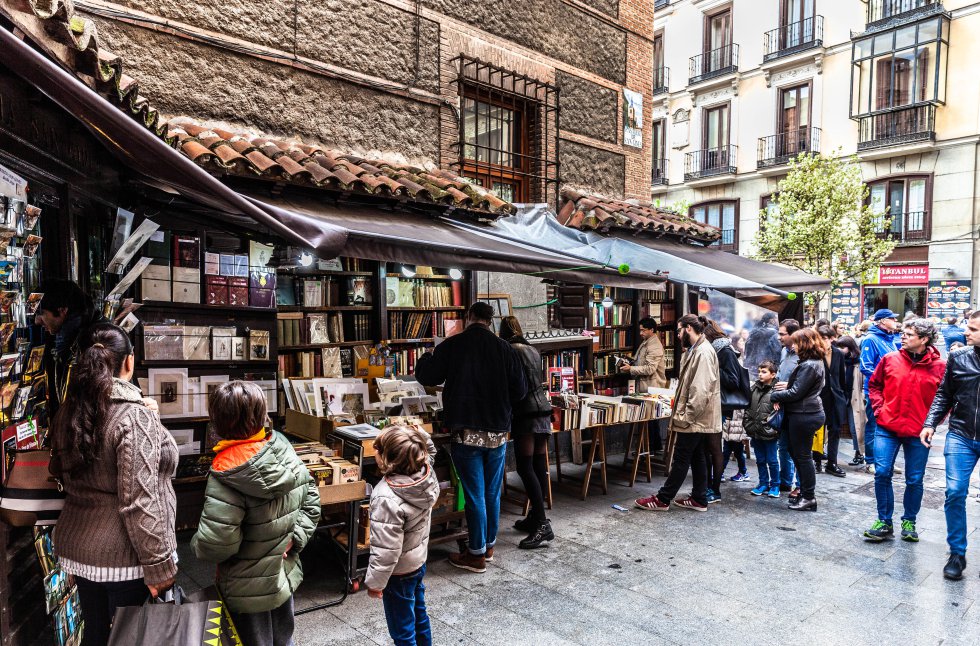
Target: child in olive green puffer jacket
{"type": "Point", "coordinates": [261, 507]}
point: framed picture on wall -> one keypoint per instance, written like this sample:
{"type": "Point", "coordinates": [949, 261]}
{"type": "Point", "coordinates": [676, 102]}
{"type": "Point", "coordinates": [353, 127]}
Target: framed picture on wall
{"type": "Point", "coordinates": [501, 307]}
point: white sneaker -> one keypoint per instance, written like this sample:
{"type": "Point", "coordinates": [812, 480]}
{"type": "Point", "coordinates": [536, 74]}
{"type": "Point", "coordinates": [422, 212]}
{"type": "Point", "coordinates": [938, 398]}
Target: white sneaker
{"type": "Point", "coordinates": [870, 469]}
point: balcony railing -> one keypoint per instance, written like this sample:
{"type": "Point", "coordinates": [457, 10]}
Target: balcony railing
{"type": "Point", "coordinates": [717, 62]}
{"type": "Point", "coordinates": [727, 241]}
{"type": "Point", "coordinates": [659, 173]}
{"type": "Point", "coordinates": [660, 4]}
{"type": "Point", "coordinates": [897, 127]}
{"type": "Point", "coordinates": [710, 162]}
{"type": "Point", "coordinates": [882, 12]}
{"type": "Point", "coordinates": [776, 150]}
{"type": "Point", "coordinates": [793, 38]}
{"type": "Point", "coordinates": [661, 77]}
{"type": "Point", "coordinates": [904, 227]}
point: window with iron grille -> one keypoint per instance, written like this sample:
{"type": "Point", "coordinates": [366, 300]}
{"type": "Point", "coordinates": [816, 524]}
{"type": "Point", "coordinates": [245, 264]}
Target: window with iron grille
{"type": "Point", "coordinates": [722, 214]}
{"type": "Point", "coordinates": [508, 132]}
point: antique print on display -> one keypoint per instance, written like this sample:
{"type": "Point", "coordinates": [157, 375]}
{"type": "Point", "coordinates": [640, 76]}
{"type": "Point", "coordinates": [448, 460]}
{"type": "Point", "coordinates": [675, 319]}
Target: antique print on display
{"type": "Point", "coordinates": [129, 248]}
{"type": "Point", "coordinates": [169, 388]}
{"type": "Point", "coordinates": [31, 245]}
{"type": "Point", "coordinates": [121, 229]}
{"type": "Point", "coordinates": [239, 348]}
{"type": "Point", "coordinates": [221, 348]}
{"type": "Point", "coordinates": [318, 329]}
{"type": "Point", "coordinates": [258, 345]}
{"type": "Point", "coordinates": [268, 387]}
{"type": "Point", "coordinates": [208, 384]}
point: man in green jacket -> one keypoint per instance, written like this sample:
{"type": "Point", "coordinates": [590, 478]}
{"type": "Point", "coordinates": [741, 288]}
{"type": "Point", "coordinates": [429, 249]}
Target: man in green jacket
{"type": "Point", "coordinates": [261, 507]}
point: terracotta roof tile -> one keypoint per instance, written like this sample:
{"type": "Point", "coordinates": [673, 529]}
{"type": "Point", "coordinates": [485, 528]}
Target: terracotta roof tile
{"type": "Point", "coordinates": [595, 212]}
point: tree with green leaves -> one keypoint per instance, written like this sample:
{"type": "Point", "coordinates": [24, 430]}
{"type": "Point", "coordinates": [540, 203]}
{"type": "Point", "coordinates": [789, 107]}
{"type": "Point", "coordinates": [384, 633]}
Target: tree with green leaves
{"type": "Point", "coordinates": [820, 221]}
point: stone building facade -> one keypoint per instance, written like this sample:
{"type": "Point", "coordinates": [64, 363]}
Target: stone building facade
{"type": "Point", "coordinates": [743, 85]}
{"type": "Point", "coordinates": [546, 80]}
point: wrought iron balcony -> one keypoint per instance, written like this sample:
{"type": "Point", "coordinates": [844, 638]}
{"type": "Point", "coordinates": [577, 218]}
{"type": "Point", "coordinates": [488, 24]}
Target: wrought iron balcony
{"type": "Point", "coordinates": [886, 12]}
{"type": "Point", "coordinates": [793, 38]}
{"type": "Point", "coordinates": [897, 127]}
{"type": "Point", "coordinates": [904, 227]}
{"type": "Point", "coordinates": [659, 173]}
{"type": "Point", "coordinates": [776, 150]}
{"type": "Point", "coordinates": [710, 162]}
{"type": "Point", "coordinates": [661, 77]}
{"type": "Point", "coordinates": [709, 65]}
{"type": "Point", "coordinates": [660, 4]}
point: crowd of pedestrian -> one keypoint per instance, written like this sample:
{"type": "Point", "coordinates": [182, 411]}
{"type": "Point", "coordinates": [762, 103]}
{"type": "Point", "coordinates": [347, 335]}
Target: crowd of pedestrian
{"type": "Point", "coordinates": [786, 389]}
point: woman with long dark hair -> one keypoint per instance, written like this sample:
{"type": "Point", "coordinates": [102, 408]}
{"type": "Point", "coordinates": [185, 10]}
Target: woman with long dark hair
{"type": "Point", "coordinates": [530, 431]}
{"type": "Point", "coordinates": [728, 370]}
{"type": "Point", "coordinates": [115, 460]}
{"type": "Point", "coordinates": [834, 401]}
{"type": "Point", "coordinates": [804, 414]}
{"type": "Point", "coordinates": [854, 415]}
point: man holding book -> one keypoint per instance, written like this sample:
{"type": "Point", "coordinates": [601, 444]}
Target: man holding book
{"type": "Point", "coordinates": [483, 377]}
{"type": "Point", "coordinates": [648, 364]}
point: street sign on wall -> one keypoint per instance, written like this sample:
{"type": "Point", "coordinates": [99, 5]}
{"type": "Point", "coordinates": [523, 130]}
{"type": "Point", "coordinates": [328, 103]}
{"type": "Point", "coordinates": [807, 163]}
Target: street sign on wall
{"type": "Point", "coordinates": [903, 275]}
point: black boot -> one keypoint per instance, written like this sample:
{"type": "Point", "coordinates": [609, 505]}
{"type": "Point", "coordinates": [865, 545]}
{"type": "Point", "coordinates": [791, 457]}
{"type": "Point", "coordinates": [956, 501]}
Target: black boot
{"type": "Point", "coordinates": [525, 525]}
{"type": "Point", "coordinates": [954, 567]}
{"type": "Point", "coordinates": [858, 459]}
{"type": "Point", "coordinates": [835, 470]}
{"type": "Point", "coordinates": [539, 538]}
{"type": "Point", "coordinates": [804, 505]}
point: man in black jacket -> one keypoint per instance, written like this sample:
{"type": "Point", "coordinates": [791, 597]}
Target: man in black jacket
{"type": "Point", "coordinates": [64, 312]}
{"type": "Point", "coordinates": [483, 378]}
{"type": "Point", "coordinates": [959, 392]}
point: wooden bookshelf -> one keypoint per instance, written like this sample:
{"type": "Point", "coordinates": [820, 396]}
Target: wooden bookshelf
{"type": "Point", "coordinates": [326, 308]}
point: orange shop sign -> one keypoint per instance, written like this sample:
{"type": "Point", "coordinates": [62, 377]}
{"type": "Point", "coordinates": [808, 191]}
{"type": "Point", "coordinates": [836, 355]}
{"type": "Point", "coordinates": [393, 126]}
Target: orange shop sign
{"type": "Point", "coordinates": [903, 275]}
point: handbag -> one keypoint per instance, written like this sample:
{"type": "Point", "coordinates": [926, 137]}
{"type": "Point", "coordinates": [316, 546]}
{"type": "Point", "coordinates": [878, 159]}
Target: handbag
{"type": "Point", "coordinates": [199, 619]}
{"type": "Point", "coordinates": [31, 495]}
{"type": "Point", "coordinates": [741, 397]}
{"type": "Point", "coordinates": [775, 421]}
{"type": "Point", "coordinates": [818, 440]}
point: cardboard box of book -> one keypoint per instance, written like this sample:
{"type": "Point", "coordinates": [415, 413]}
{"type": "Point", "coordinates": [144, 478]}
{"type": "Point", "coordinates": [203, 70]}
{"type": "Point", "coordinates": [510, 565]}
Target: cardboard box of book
{"type": "Point", "coordinates": [332, 494]}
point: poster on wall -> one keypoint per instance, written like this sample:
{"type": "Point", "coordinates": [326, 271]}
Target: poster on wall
{"type": "Point", "coordinates": [948, 298]}
{"type": "Point", "coordinates": [632, 118]}
{"type": "Point", "coordinates": [845, 304]}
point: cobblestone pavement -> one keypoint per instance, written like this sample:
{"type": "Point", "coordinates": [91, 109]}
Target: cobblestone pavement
{"type": "Point", "coordinates": [746, 572]}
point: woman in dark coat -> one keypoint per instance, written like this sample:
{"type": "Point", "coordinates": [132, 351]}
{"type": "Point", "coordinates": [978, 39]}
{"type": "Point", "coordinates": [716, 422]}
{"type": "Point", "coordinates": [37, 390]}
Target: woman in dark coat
{"type": "Point", "coordinates": [834, 401]}
{"type": "Point", "coordinates": [729, 370]}
{"type": "Point", "coordinates": [530, 431]}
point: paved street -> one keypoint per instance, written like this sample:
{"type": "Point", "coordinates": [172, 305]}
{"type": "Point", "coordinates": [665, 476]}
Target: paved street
{"type": "Point", "coordinates": [747, 572]}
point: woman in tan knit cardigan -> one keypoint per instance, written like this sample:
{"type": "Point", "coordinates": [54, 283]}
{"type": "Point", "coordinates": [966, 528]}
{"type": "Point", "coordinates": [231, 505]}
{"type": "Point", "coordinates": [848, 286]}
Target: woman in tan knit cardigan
{"type": "Point", "coordinates": [115, 460]}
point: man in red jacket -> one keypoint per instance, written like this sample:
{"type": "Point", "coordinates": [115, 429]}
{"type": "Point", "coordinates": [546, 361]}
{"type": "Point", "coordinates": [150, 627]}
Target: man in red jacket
{"type": "Point", "coordinates": [901, 390]}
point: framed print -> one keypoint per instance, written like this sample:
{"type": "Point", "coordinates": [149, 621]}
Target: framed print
{"type": "Point", "coordinates": [501, 307]}
{"type": "Point", "coordinates": [268, 387]}
{"type": "Point", "coordinates": [221, 348]}
{"type": "Point", "coordinates": [239, 348]}
{"type": "Point", "coordinates": [168, 386]}
{"type": "Point", "coordinates": [208, 384]}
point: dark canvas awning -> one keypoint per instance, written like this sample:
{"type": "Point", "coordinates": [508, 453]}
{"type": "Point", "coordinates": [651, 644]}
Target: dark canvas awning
{"type": "Point", "coordinates": [148, 155]}
{"type": "Point", "coordinates": [420, 239]}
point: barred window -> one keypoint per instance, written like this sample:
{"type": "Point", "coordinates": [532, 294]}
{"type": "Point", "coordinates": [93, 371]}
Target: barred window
{"type": "Point", "coordinates": [508, 130]}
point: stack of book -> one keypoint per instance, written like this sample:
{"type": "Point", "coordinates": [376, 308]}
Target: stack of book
{"type": "Point", "coordinates": [615, 339]}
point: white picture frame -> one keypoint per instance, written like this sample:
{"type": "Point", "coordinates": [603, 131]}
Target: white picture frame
{"type": "Point", "coordinates": [208, 383]}
{"type": "Point", "coordinates": [268, 387]}
{"type": "Point", "coordinates": [168, 386]}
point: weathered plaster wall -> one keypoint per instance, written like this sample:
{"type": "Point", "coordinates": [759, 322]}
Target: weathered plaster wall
{"type": "Point", "coordinates": [524, 291]}
{"type": "Point", "coordinates": [188, 78]}
{"type": "Point", "coordinates": [588, 108]}
{"type": "Point", "coordinates": [592, 168]}
{"type": "Point", "coordinates": [608, 7]}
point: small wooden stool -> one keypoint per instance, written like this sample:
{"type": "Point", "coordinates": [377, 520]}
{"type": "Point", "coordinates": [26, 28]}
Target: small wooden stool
{"type": "Point", "coordinates": [640, 430]}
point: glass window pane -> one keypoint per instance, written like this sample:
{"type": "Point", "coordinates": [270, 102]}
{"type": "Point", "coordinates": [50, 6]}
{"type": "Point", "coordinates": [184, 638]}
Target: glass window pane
{"type": "Point", "coordinates": [943, 59]}
{"type": "Point", "coordinates": [905, 37]}
{"type": "Point", "coordinates": [928, 31]}
{"type": "Point", "coordinates": [713, 212]}
{"type": "Point", "coordinates": [728, 216]}
{"type": "Point", "coordinates": [882, 82]}
{"type": "Point", "coordinates": [862, 87]}
{"type": "Point", "coordinates": [945, 27]}
{"type": "Point", "coordinates": [504, 191]}
{"type": "Point", "coordinates": [862, 48]}
{"type": "Point", "coordinates": [917, 196]}
{"type": "Point", "coordinates": [903, 81]}
{"type": "Point", "coordinates": [883, 43]}
{"type": "Point", "coordinates": [925, 72]}
{"type": "Point", "coordinates": [697, 213]}
{"type": "Point", "coordinates": [878, 202]}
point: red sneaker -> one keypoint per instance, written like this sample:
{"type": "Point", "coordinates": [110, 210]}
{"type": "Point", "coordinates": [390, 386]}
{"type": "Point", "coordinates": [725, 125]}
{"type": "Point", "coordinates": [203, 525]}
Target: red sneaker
{"type": "Point", "coordinates": [652, 504]}
{"type": "Point", "coordinates": [691, 503]}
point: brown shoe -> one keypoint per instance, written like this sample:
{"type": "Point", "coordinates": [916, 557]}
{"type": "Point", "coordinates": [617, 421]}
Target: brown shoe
{"type": "Point", "coordinates": [489, 555]}
{"type": "Point", "coordinates": [466, 561]}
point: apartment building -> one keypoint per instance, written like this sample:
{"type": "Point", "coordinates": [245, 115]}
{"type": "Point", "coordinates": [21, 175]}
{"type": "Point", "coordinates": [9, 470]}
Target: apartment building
{"type": "Point", "coordinates": [743, 86]}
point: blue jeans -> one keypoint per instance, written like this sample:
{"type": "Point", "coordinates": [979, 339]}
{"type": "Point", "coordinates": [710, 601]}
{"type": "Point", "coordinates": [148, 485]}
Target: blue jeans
{"type": "Point", "coordinates": [481, 473]}
{"type": "Point", "coordinates": [767, 460]}
{"type": "Point", "coordinates": [962, 455]}
{"type": "Point", "coordinates": [887, 445]}
{"type": "Point", "coordinates": [404, 602]}
{"type": "Point", "coordinates": [787, 472]}
{"type": "Point", "coordinates": [869, 431]}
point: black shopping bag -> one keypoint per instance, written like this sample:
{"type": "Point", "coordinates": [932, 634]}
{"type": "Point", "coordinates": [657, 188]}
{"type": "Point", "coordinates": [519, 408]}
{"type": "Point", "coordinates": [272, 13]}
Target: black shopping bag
{"type": "Point", "coordinates": [185, 621]}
